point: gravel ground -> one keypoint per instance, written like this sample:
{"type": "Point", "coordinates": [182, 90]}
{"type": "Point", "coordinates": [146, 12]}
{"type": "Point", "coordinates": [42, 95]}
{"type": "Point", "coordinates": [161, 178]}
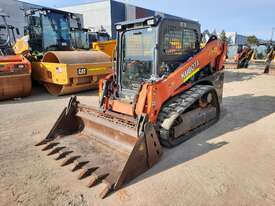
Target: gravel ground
{"type": "Point", "coordinates": [231, 163]}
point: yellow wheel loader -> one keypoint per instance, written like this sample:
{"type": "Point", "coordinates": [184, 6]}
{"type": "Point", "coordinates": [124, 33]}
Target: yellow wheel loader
{"type": "Point", "coordinates": [163, 91]}
{"type": "Point", "coordinates": [101, 41]}
{"type": "Point", "coordinates": [105, 46]}
{"type": "Point", "coordinates": [56, 60]}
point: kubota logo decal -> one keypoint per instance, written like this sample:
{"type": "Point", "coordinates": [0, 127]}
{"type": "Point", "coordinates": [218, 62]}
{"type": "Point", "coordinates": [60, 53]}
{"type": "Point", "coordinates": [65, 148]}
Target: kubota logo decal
{"type": "Point", "coordinates": [193, 69]}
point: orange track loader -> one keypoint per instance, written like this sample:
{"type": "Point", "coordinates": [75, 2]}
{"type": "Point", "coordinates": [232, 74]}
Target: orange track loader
{"type": "Point", "coordinates": [15, 70]}
{"type": "Point", "coordinates": [164, 90]}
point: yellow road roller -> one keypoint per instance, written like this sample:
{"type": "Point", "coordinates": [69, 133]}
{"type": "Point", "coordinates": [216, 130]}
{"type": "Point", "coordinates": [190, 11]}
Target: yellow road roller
{"type": "Point", "coordinates": [56, 62]}
{"type": "Point", "coordinates": [67, 72]}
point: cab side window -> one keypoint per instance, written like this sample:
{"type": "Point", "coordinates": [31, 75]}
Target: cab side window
{"type": "Point", "coordinates": [178, 41]}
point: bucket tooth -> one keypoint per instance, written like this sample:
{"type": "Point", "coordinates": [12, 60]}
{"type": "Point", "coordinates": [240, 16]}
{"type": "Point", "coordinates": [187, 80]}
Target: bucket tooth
{"type": "Point", "coordinates": [55, 150]}
{"type": "Point", "coordinates": [63, 153]}
{"type": "Point", "coordinates": [70, 159]}
{"type": "Point", "coordinates": [86, 171]}
{"type": "Point", "coordinates": [79, 163]}
{"type": "Point", "coordinates": [97, 177]}
{"type": "Point", "coordinates": [50, 145]}
{"type": "Point", "coordinates": [108, 188]}
{"type": "Point", "coordinates": [45, 141]}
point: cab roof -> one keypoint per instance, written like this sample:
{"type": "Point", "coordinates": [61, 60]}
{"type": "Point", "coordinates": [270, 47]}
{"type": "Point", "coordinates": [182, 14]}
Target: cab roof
{"type": "Point", "coordinates": [160, 18]}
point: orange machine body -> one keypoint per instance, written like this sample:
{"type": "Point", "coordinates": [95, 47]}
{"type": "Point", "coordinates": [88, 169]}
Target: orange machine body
{"type": "Point", "coordinates": [15, 77]}
{"type": "Point", "coordinates": [153, 95]}
{"type": "Point", "coordinates": [14, 64]}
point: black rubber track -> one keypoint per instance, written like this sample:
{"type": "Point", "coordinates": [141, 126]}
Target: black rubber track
{"type": "Point", "coordinates": [180, 104]}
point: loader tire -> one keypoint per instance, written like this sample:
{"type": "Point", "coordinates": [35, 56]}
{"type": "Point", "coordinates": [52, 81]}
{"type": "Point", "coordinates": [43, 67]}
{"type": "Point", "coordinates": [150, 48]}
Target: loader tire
{"type": "Point", "coordinates": [181, 111]}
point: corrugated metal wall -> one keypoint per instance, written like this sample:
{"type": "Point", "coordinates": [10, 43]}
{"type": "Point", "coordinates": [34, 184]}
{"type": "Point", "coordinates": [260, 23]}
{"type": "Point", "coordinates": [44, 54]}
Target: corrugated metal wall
{"type": "Point", "coordinates": [130, 12]}
{"type": "Point", "coordinates": [118, 14]}
{"type": "Point", "coordinates": [107, 13]}
{"type": "Point", "coordinates": [141, 13]}
{"type": "Point", "coordinates": [95, 15]}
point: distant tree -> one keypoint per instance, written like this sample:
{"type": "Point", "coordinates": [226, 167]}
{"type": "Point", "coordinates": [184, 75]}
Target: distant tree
{"type": "Point", "coordinates": [223, 36]}
{"type": "Point", "coordinates": [229, 40]}
{"type": "Point", "coordinates": [252, 40]}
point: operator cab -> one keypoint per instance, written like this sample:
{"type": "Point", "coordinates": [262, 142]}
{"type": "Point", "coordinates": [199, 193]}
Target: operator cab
{"type": "Point", "coordinates": [7, 36]}
{"type": "Point", "coordinates": [80, 38]}
{"type": "Point", "coordinates": [50, 30]}
{"type": "Point", "coordinates": [151, 48]}
{"type": "Point", "coordinates": [98, 36]}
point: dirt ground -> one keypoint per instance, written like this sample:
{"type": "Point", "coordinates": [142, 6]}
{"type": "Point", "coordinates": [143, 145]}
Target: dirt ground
{"type": "Point", "coordinates": [231, 163]}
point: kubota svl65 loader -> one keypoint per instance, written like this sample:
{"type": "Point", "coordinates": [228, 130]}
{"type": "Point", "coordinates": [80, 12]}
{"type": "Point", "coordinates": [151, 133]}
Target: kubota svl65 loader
{"type": "Point", "coordinates": [163, 91]}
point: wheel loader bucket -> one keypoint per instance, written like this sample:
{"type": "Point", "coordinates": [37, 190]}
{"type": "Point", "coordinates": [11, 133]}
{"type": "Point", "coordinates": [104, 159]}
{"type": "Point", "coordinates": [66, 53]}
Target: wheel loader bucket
{"type": "Point", "coordinates": [107, 148]}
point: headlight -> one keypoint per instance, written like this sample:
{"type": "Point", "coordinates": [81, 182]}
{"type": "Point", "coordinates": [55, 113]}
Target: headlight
{"type": "Point", "coordinates": [118, 27]}
{"type": "Point", "coordinates": [20, 66]}
{"type": "Point", "coordinates": [151, 22]}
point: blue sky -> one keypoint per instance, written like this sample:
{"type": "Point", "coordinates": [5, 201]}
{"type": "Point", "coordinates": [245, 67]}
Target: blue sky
{"type": "Point", "coordinates": [244, 16]}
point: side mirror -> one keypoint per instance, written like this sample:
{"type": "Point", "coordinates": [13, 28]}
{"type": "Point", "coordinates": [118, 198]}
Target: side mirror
{"type": "Point", "coordinates": [17, 31]}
